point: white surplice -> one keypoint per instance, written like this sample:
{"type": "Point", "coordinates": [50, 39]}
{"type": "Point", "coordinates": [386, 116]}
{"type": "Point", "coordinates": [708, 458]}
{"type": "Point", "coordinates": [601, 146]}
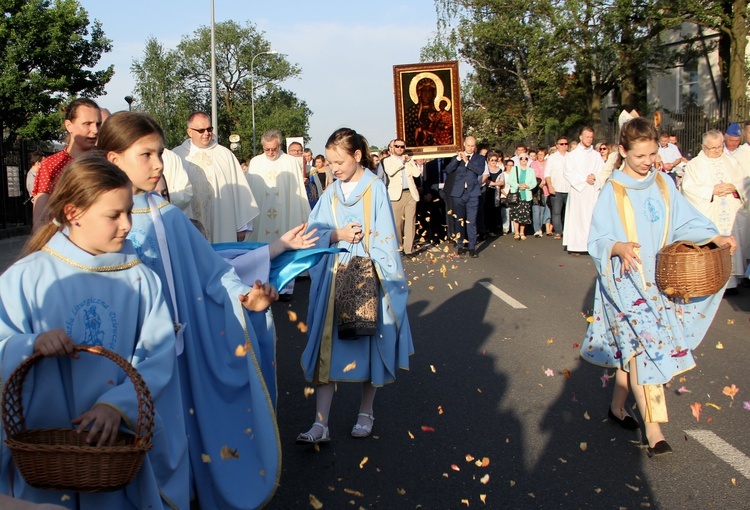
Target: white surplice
{"type": "Point", "coordinates": [728, 212]}
{"type": "Point", "coordinates": [222, 200]}
{"type": "Point", "coordinates": [579, 164]}
{"type": "Point", "coordinates": [178, 182]}
{"type": "Point", "coordinates": [278, 186]}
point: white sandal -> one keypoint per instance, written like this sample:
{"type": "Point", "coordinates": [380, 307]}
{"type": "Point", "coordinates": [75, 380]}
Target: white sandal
{"type": "Point", "coordinates": [309, 438]}
{"type": "Point", "coordinates": [363, 430]}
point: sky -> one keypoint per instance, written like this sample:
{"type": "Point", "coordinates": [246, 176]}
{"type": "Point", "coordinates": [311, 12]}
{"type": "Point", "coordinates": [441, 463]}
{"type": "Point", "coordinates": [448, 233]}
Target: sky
{"type": "Point", "coordinates": [346, 50]}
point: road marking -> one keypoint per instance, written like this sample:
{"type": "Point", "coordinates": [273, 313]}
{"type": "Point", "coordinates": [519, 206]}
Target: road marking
{"type": "Point", "coordinates": [723, 450]}
{"type": "Point", "coordinates": [502, 295]}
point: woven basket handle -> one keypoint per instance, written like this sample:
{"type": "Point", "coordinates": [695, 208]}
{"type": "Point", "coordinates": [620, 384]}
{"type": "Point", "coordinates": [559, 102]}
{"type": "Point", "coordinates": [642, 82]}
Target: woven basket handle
{"type": "Point", "coordinates": [12, 405]}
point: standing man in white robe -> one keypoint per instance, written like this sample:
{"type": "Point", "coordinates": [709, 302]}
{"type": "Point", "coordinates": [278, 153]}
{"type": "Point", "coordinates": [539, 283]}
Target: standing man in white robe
{"type": "Point", "coordinates": [276, 181]}
{"type": "Point", "coordinates": [582, 167]}
{"type": "Point", "coordinates": [222, 201]}
{"type": "Point", "coordinates": [713, 183]}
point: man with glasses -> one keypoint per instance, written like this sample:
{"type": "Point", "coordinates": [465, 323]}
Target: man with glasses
{"type": "Point", "coordinates": [582, 168]}
{"type": "Point", "coordinates": [402, 190]}
{"type": "Point", "coordinates": [713, 183]}
{"type": "Point", "coordinates": [467, 167]}
{"type": "Point", "coordinates": [276, 180]}
{"type": "Point", "coordinates": [222, 201]}
{"type": "Point", "coordinates": [557, 185]}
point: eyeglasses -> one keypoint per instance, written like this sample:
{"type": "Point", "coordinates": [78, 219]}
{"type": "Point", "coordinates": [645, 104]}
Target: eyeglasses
{"type": "Point", "coordinates": [714, 149]}
{"type": "Point", "coordinates": [565, 143]}
{"type": "Point", "coordinates": [270, 149]}
{"type": "Point", "coordinates": [523, 159]}
{"type": "Point", "coordinates": [399, 146]}
{"type": "Point", "coordinates": [210, 129]}
{"type": "Point", "coordinates": [603, 149]}
{"type": "Point", "coordinates": [493, 159]}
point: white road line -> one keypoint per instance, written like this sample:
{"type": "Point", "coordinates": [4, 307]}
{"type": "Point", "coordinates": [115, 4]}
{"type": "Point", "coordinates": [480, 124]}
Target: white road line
{"type": "Point", "coordinates": [502, 295]}
{"type": "Point", "coordinates": [723, 450]}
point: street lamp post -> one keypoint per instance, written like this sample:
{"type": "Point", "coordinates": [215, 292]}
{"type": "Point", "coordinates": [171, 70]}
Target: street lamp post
{"type": "Point", "coordinates": [129, 100]}
{"type": "Point", "coordinates": [252, 89]}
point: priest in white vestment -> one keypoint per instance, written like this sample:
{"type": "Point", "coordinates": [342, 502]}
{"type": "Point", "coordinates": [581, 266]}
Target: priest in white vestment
{"type": "Point", "coordinates": [222, 200]}
{"type": "Point", "coordinates": [713, 183]}
{"type": "Point", "coordinates": [277, 183]}
{"type": "Point", "coordinates": [582, 168]}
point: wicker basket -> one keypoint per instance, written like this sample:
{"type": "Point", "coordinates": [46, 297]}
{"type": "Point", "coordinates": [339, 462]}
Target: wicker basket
{"type": "Point", "coordinates": [60, 459]}
{"type": "Point", "coordinates": [686, 270]}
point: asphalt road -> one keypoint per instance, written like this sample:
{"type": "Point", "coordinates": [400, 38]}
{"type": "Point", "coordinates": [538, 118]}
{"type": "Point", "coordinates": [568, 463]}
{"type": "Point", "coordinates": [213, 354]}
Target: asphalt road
{"type": "Point", "coordinates": [478, 389]}
{"type": "Point", "coordinates": [507, 384]}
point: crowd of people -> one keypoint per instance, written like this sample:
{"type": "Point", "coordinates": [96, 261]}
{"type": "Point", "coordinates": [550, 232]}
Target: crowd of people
{"type": "Point", "coordinates": [172, 259]}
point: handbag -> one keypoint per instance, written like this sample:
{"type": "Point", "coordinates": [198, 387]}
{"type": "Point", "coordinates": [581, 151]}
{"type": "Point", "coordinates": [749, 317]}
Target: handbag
{"type": "Point", "coordinates": [513, 197]}
{"type": "Point", "coordinates": [357, 288]}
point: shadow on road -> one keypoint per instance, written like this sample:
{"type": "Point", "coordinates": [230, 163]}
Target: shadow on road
{"type": "Point", "coordinates": [438, 422]}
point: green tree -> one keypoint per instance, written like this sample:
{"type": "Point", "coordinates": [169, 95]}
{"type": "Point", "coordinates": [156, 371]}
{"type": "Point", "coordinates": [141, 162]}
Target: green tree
{"type": "Point", "coordinates": [519, 81]}
{"type": "Point", "coordinates": [160, 90]}
{"type": "Point", "coordinates": [49, 49]}
{"type": "Point", "coordinates": [730, 19]}
{"type": "Point", "coordinates": [236, 46]}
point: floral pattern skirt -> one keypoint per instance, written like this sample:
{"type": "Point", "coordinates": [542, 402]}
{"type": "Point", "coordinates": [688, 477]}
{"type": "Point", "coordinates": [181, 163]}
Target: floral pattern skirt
{"type": "Point", "coordinates": [521, 212]}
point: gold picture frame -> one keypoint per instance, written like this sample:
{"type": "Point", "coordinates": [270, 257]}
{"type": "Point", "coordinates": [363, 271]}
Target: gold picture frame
{"type": "Point", "coordinates": [428, 108]}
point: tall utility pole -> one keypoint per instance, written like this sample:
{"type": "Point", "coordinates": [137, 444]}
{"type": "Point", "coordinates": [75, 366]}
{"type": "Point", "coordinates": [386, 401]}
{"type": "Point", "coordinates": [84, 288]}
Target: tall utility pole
{"type": "Point", "coordinates": [214, 116]}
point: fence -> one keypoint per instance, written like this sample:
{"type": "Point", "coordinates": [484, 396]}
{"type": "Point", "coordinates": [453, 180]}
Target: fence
{"type": "Point", "coordinates": [690, 123]}
{"type": "Point", "coordinates": [15, 206]}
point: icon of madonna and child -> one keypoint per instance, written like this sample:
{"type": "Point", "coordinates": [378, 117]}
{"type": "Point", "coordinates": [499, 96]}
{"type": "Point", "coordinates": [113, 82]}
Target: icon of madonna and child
{"type": "Point", "coordinates": [428, 120]}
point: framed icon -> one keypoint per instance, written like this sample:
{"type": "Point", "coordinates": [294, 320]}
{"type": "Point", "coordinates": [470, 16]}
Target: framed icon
{"type": "Point", "coordinates": [428, 108]}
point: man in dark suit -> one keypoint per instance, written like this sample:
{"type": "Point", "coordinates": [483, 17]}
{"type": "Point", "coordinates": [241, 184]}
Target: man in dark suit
{"type": "Point", "coordinates": [468, 168]}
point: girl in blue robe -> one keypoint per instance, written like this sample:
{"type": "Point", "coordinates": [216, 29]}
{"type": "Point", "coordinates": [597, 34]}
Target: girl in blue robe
{"type": "Point", "coordinates": [81, 282]}
{"type": "Point", "coordinates": [226, 344]}
{"type": "Point", "coordinates": [647, 336]}
{"type": "Point", "coordinates": [339, 217]}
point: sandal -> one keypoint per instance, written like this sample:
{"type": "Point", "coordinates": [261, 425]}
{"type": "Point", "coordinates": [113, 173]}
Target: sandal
{"type": "Point", "coordinates": [523, 237]}
{"type": "Point", "coordinates": [516, 237]}
{"type": "Point", "coordinates": [309, 438]}
{"type": "Point", "coordinates": [363, 430]}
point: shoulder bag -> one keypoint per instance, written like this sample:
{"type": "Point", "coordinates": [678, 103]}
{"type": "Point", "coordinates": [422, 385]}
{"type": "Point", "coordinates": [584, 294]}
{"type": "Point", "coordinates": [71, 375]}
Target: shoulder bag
{"type": "Point", "coordinates": [357, 289]}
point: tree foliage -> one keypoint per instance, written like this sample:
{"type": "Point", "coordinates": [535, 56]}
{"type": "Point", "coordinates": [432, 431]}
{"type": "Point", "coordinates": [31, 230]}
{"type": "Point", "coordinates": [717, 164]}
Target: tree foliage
{"type": "Point", "coordinates": [183, 76]}
{"type": "Point", "coordinates": [542, 67]}
{"type": "Point", "coordinates": [49, 50]}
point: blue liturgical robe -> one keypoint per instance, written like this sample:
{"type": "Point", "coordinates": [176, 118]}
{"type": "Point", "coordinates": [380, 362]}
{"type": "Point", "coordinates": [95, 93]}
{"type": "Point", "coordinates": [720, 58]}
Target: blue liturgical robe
{"type": "Point", "coordinates": [631, 317]}
{"type": "Point", "coordinates": [113, 301]}
{"type": "Point", "coordinates": [227, 368]}
{"type": "Point", "coordinates": [326, 357]}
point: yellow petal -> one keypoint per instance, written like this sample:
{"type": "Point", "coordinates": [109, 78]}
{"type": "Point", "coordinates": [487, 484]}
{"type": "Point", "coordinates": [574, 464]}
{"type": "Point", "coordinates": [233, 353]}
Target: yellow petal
{"type": "Point", "coordinates": [205, 458]}
{"type": "Point", "coordinates": [411, 436]}
{"type": "Point", "coordinates": [586, 415]}
{"type": "Point", "coordinates": [241, 350]}
{"type": "Point", "coordinates": [227, 453]}
{"type": "Point", "coordinates": [485, 479]}
{"type": "Point", "coordinates": [483, 498]}
{"type": "Point", "coordinates": [584, 446]}
{"type": "Point", "coordinates": [400, 492]}
{"type": "Point", "coordinates": [315, 503]}
{"type": "Point", "coordinates": [292, 315]}
{"type": "Point", "coordinates": [302, 327]}
{"type": "Point", "coordinates": [719, 345]}
{"type": "Point", "coordinates": [363, 462]}
{"type": "Point", "coordinates": [351, 366]}
{"type": "Point", "coordinates": [309, 391]}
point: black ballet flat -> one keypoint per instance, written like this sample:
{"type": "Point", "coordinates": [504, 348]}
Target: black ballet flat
{"type": "Point", "coordinates": [660, 448]}
{"type": "Point", "coordinates": [629, 423]}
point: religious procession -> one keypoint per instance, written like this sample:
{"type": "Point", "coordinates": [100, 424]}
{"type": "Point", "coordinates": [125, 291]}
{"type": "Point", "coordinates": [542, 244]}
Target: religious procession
{"type": "Point", "coordinates": [563, 299]}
